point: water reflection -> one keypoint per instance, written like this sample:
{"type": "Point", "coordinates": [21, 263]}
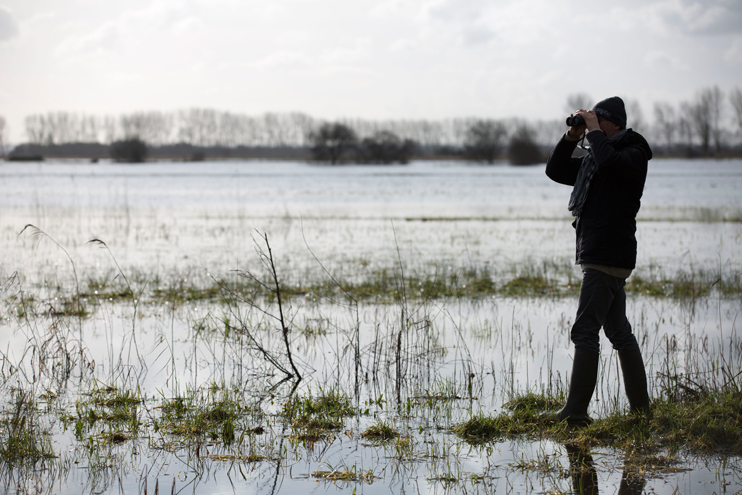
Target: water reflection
{"type": "Point", "coordinates": [585, 476]}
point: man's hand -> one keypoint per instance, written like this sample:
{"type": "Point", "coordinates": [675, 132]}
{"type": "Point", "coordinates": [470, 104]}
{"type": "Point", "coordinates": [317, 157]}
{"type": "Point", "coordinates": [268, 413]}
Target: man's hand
{"type": "Point", "coordinates": [591, 119]}
{"type": "Point", "coordinates": [576, 131]}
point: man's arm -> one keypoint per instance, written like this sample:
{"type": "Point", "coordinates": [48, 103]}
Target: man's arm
{"type": "Point", "coordinates": [627, 161]}
{"type": "Point", "coordinates": [561, 167]}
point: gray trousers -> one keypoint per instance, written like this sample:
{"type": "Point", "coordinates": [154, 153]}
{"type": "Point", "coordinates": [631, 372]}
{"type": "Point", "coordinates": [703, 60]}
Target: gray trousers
{"type": "Point", "coordinates": [602, 304]}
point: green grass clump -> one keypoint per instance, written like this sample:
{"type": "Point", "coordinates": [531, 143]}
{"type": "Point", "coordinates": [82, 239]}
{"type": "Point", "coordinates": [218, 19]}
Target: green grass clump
{"type": "Point", "coordinates": [708, 423]}
{"type": "Point", "coordinates": [380, 431]}
{"type": "Point", "coordinates": [345, 473]}
{"type": "Point", "coordinates": [115, 411]}
{"type": "Point", "coordinates": [531, 402]}
{"type": "Point", "coordinates": [529, 285]}
{"type": "Point", "coordinates": [314, 416]}
{"type": "Point", "coordinates": [214, 418]}
{"type": "Point", "coordinates": [685, 285]}
{"type": "Point", "coordinates": [481, 428]}
{"type": "Point", "coordinates": [22, 437]}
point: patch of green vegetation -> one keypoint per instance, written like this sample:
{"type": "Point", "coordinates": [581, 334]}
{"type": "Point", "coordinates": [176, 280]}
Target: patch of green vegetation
{"type": "Point", "coordinates": [345, 474]}
{"type": "Point", "coordinates": [215, 417]}
{"type": "Point", "coordinates": [313, 417]}
{"type": "Point", "coordinates": [709, 423]}
{"type": "Point", "coordinates": [70, 306]}
{"type": "Point", "coordinates": [380, 431]}
{"type": "Point", "coordinates": [536, 285]}
{"type": "Point", "coordinates": [686, 285]}
{"type": "Point", "coordinates": [114, 412]}
{"type": "Point", "coordinates": [531, 402]}
{"type": "Point", "coordinates": [107, 287]}
{"type": "Point", "coordinates": [444, 389]}
{"type": "Point", "coordinates": [22, 438]}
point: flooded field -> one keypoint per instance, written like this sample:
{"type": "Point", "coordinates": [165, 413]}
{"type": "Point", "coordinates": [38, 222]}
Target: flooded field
{"type": "Point", "coordinates": [146, 347]}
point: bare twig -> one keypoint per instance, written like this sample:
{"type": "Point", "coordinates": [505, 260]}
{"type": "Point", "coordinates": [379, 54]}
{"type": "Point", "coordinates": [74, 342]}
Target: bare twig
{"type": "Point", "coordinates": [284, 328]}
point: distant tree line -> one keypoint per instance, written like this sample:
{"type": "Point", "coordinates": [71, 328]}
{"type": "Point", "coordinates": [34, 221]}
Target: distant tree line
{"type": "Point", "coordinates": [711, 123]}
{"type": "Point", "coordinates": [203, 133]}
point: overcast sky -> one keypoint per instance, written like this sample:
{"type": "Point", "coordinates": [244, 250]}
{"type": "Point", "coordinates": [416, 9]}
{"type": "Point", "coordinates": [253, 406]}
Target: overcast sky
{"type": "Point", "coordinates": [360, 58]}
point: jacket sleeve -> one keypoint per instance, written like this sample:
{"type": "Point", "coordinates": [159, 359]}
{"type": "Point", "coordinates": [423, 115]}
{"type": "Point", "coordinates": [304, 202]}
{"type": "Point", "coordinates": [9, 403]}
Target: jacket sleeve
{"type": "Point", "coordinates": [561, 167]}
{"type": "Point", "coordinates": [627, 161]}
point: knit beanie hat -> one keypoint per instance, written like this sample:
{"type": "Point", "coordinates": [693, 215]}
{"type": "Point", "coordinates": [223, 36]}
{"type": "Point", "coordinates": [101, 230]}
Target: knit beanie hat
{"type": "Point", "coordinates": [612, 109]}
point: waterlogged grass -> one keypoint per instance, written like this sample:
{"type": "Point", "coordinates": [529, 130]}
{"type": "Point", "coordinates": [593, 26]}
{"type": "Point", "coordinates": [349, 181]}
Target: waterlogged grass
{"type": "Point", "coordinates": [379, 286]}
{"type": "Point", "coordinates": [314, 416]}
{"type": "Point", "coordinates": [22, 436]}
{"type": "Point", "coordinates": [108, 414]}
{"type": "Point", "coordinates": [710, 425]}
{"type": "Point", "coordinates": [344, 473]}
{"type": "Point", "coordinates": [405, 362]}
{"type": "Point", "coordinates": [686, 285]}
{"type": "Point", "coordinates": [523, 419]}
{"type": "Point", "coordinates": [380, 431]}
{"type": "Point", "coordinates": [215, 414]}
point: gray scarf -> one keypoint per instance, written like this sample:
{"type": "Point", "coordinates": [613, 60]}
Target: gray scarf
{"type": "Point", "coordinates": [585, 175]}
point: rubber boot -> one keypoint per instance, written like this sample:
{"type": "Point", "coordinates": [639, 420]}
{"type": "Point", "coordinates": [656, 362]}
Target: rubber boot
{"type": "Point", "coordinates": [581, 388]}
{"type": "Point", "coordinates": [635, 381]}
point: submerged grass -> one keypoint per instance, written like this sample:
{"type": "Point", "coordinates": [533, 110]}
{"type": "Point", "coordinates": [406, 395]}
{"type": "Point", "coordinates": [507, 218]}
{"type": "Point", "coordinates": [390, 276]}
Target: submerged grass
{"type": "Point", "coordinates": [108, 413]}
{"type": "Point", "coordinates": [22, 437]}
{"type": "Point", "coordinates": [384, 285]}
{"type": "Point", "coordinates": [707, 422]}
{"type": "Point", "coordinates": [313, 417]}
{"type": "Point", "coordinates": [215, 415]}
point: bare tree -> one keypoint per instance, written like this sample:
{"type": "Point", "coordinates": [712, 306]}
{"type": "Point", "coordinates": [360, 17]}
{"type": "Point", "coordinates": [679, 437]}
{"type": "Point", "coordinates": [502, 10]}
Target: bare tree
{"type": "Point", "coordinates": [665, 122]}
{"type": "Point", "coordinates": [108, 125]}
{"type": "Point", "coordinates": [715, 98]}
{"type": "Point", "coordinates": [706, 117]}
{"type": "Point", "coordinates": [735, 97]}
{"type": "Point", "coordinates": [2, 136]}
{"type": "Point", "coordinates": [685, 125]}
{"type": "Point", "coordinates": [635, 115]}
{"type": "Point", "coordinates": [484, 139]}
{"type": "Point", "coordinates": [523, 148]}
{"type": "Point", "coordinates": [151, 127]}
{"type": "Point", "coordinates": [700, 113]}
{"type": "Point", "coordinates": [36, 131]}
{"type": "Point", "coordinates": [331, 141]}
{"type": "Point", "coordinates": [385, 147]}
{"type": "Point", "coordinates": [577, 101]}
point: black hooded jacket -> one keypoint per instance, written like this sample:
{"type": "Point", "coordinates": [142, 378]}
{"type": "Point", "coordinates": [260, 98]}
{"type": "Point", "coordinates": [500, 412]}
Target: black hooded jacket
{"type": "Point", "coordinates": [606, 227]}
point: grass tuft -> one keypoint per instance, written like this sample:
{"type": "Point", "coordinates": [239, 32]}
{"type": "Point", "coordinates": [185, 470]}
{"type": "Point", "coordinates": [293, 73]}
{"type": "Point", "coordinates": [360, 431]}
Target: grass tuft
{"type": "Point", "coordinates": [22, 437]}
{"type": "Point", "coordinates": [381, 431]}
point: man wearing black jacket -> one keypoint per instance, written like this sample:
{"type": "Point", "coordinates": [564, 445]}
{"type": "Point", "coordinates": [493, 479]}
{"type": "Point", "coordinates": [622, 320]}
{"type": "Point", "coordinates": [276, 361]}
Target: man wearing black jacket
{"type": "Point", "coordinates": [607, 187]}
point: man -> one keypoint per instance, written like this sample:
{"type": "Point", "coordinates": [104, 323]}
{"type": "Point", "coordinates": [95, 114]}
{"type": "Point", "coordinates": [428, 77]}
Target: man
{"type": "Point", "coordinates": [607, 187]}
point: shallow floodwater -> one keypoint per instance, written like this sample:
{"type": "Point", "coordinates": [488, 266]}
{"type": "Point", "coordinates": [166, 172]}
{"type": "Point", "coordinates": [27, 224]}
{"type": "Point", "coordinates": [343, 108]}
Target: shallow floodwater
{"type": "Point", "coordinates": [189, 223]}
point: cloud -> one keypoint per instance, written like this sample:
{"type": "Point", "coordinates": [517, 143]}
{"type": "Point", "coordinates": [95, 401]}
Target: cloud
{"type": "Point", "coordinates": [508, 23]}
{"type": "Point", "coordinates": [283, 58]}
{"type": "Point", "coordinates": [693, 17]}
{"type": "Point", "coordinates": [8, 26]}
{"type": "Point", "coordinates": [403, 45]}
{"type": "Point", "coordinates": [733, 55]}
{"type": "Point", "coordinates": [477, 35]}
{"type": "Point", "coordinates": [357, 50]}
{"type": "Point", "coordinates": [662, 60]}
{"type": "Point", "coordinates": [162, 16]}
{"type": "Point", "coordinates": [104, 38]}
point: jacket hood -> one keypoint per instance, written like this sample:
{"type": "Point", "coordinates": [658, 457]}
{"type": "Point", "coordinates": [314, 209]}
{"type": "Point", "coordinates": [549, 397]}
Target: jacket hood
{"type": "Point", "coordinates": [635, 139]}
